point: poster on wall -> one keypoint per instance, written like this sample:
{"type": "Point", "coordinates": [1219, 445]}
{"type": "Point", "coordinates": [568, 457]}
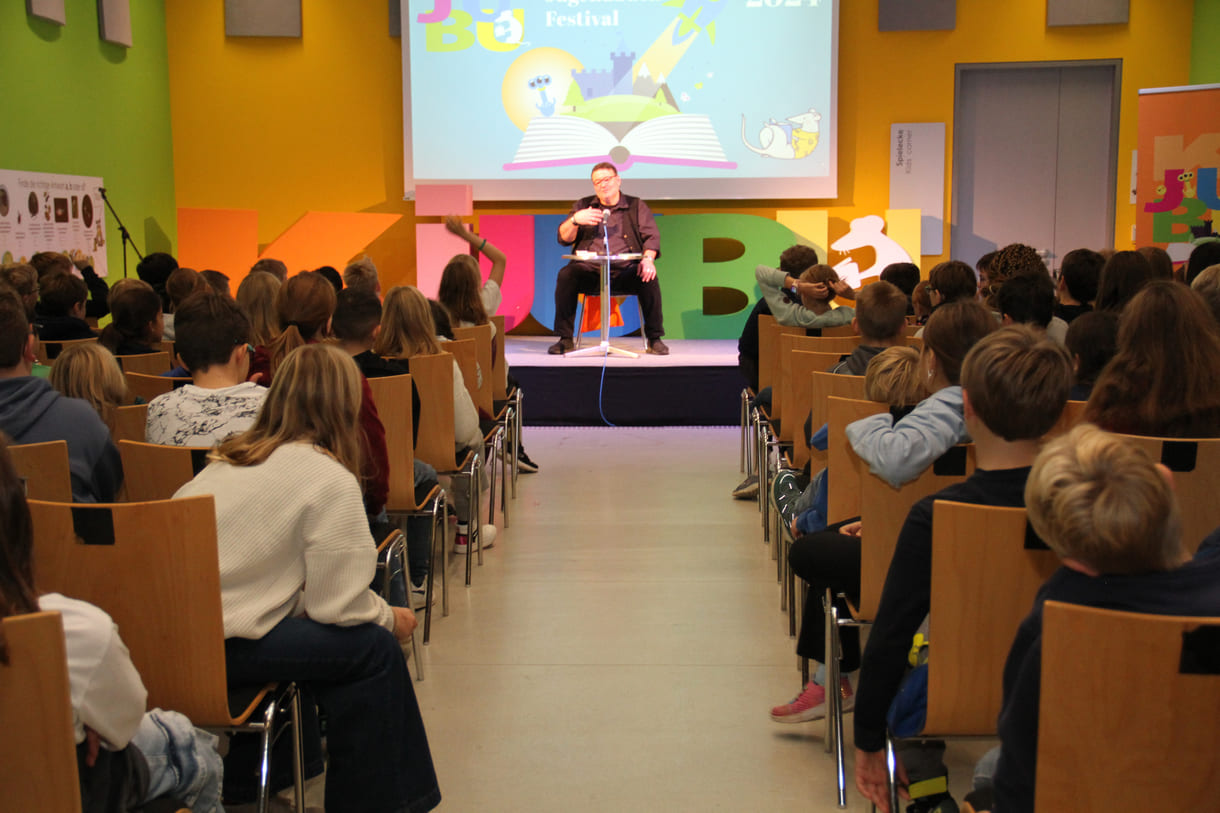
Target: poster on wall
{"type": "Point", "coordinates": [43, 211]}
{"type": "Point", "coordinates": [1179, 151]}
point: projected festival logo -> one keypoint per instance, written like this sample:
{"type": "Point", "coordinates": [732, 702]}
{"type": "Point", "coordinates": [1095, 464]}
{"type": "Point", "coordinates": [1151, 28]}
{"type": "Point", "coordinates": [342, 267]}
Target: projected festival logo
{"type": "Point", "coordinates": [696, 88]}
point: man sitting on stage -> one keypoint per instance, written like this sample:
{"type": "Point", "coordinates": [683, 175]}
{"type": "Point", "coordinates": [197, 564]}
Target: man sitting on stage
{"type": "Point", "coordinates": [631, 229]}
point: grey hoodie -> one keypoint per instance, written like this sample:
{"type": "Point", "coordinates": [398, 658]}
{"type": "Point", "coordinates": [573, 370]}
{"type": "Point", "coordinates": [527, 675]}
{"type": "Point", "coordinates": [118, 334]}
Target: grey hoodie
{"type": "Point", "coordinates": [32, 412]}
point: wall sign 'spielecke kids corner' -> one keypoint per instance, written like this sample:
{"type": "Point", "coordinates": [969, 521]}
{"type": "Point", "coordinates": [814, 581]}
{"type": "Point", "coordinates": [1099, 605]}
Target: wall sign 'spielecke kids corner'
{"type": "Point", "coordinates": [43, 211]}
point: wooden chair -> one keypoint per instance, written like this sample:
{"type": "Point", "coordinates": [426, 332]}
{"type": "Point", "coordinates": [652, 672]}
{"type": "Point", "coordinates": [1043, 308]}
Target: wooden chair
{"type": "Point", "coordinates": [842, 464]}
{"type": "Point", "coordinates": [830, 344]}
{"type": "Point", "coordinates": [839, 331]}
{"type": "Point", "coordinates": [392, 563]}
{"type": "Point", "coordinates": [1195, 463]}
{"type": "Point", "coordinates": [46, 469]}
{"type": "Point", "coordinates": [146, 363]}
{"type": "Point", "coordinates": [170, 349]}
{"type": "Point", "coordinates": [883, 511]}
{"type": "Point", "coordinates": [915, 341]}
{"type": "Point", "coordinates": [38, 753]}
{"type": "Point", "coordinates": [804, 366]}
{"type": "Point", "coordinates": [149, 387]}
{"type": "Point", "coordinates": [1073, 411]}
{"type": "Point", "coordinates": [497, 444]}
{"type": "Point", "coordinates": [128, 558]}
{"type": "Point", "coordinates": [48, 351]}
{"type": "Point", "coordinates": [433, 376]}
{"type": "Point", "coordinates": [155, 472]}
{"type": "Point", "coordinates": [130, 423]}
{"type": "Point", "coordinates": [1103, 743]}
{"type": "Point", "coordinates": [822, 386]}
{"type": "Point", "coordinates": [392, 394]}
{"type": "Point", "coordinates": [986, 569]}
{"type": "Point", "coordinates": [504, 397]}
{"type": "Point", "coordinates": [466, 353]}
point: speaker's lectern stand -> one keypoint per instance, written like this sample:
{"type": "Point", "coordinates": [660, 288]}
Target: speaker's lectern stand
{"type": "Point", "coordinates": [603, 348]}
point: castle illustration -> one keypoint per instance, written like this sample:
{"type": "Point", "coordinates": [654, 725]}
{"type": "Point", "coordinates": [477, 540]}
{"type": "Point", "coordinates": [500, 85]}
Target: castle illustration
{"type": "Point", "coordinates": [617, 81]}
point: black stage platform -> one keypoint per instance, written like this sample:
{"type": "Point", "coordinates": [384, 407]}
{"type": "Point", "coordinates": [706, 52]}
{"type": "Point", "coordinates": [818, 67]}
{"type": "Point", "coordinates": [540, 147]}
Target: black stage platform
{"type": "Point", "coordinates": [697, 384]}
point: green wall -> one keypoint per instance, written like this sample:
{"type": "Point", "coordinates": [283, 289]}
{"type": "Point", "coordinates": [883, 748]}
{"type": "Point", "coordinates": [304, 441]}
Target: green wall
{"type": "Point", "coordinates": [75, 104]}
{"type": "Point", "coordinates": [1205, 33]}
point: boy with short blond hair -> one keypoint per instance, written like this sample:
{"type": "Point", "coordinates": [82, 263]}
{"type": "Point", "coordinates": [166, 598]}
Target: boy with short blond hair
{"type": "Point", "coordinates": [1108, 510]}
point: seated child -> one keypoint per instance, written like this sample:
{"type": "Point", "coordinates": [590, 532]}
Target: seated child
{"type": "Point", "coordinates": [213, 343]}
{"type": "Point", "coordinates": [1092, 340]}
{"type": "Point", "coordinates": [892, 377]}
{"type": "Point", "coordinates": [61, 308]}
{"type": "Point", "coordinates": [89, 372]}
{"type": "Point", "coordinates": [1014, 386]}
{"type": "Point", "coordinates": [1109, 512]}
{"type": "Point", "coordinates": [136, 323]}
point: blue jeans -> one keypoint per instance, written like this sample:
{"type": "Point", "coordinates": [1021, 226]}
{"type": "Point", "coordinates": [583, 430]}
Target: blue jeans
{"type": "Point", "coordinates": [379, 761]}
{"type": "Point", "coordinates": [182, 760]}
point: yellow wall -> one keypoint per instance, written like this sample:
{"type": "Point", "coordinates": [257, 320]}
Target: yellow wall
{"type": "Point", "coordinates": [286, 126]}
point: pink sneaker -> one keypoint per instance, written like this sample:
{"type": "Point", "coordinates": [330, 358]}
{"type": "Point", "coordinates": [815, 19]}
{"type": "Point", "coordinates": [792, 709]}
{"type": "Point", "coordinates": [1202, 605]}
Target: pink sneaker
{"type": "Point", "coordinates": [811, 704]}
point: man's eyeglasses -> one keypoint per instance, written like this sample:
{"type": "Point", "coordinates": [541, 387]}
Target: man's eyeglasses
{"type": "Point", "coordinates": [606, 180]}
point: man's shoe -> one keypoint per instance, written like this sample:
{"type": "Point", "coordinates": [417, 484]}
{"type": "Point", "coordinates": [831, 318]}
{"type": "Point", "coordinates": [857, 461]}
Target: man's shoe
{"type": "Point", "coordinates": [747, 489]}
{"type": "Point", "coordinates": [524, 464]}
{"type": "Point", "coordinates": [657, 347]}
{"type": "Point", "coordinates": [811, 704]}
{"type": "Point", "coordinates": [560, 347]}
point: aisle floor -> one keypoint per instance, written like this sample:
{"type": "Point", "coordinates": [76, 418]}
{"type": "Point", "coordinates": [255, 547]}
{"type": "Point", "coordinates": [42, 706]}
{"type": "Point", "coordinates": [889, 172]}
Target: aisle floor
{"type": "Point", "coordinates": [622, 644]}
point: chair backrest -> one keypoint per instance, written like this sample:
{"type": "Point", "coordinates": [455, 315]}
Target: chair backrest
{"type": "Point", "coordinates": [147, 363]}
{"type": "Point", "coordinates": [800, 403]}
{"type": "Point", "coordinates": [828, 344]}
{"type": "Point", "coordinates": [48, 351]}
{"type": "Point", "coordinates": [1103, 743]}
{"type": "Point", "coordinates": [986, 569]}
{"type": "Point", "coordinates": [155, 472]}
{"type": "Point", "coordinates": [130, 422]}
{"type": "Point", "coordinates": [467, 357]}
{"type": "Point", "coordinates": [916, 342]}
{"type": "Point", "coordinates": [1073, 411]}
{"type": "Point", "coordinates": [842, 465]}
{"type": "Point", "coordinates": [38, 751]}
{"type": "Point", "coordinates": [838, 331]}
{"type": "Point", "coordinates": [46, 469]}
{"type": "Point", "coordinates": [483, 395]}
{"type": "Point", "coordinates": [154, 568]}
{"type": "Point", "coordinates": [392, 395]}
{"type": "Point", "coordinates": [499, 367]}
{"type": "Point", "coordinates": [769, 332]}
{"type": "Point", "coordinates": [824, 385]}
{"type": "Point", "coordinates": [433, 376]}
{"type": "Point", "coordinates": [168, 347]}
{"type": "Point", "coordinates": [149, 387]}
{"type": "Point", "coordinates": [1195, 463]}
{"type": "Point", "coordinates": [884, 509]}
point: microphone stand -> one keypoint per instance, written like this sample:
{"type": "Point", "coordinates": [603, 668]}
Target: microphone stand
{"type": "Point", "coordinates": [604, 347]}
{"type": "Point", "coordinates": [123, 233]}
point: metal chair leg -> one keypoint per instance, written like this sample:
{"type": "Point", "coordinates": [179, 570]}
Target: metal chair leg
{"type": "Point", "coordinates": [891, 770]}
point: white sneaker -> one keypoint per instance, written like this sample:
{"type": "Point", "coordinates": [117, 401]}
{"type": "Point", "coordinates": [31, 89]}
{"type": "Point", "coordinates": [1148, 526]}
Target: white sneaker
{"type": "Point", "coordinates": [419, 596]}
{"type": "Point", "coordinates": [487, 536]}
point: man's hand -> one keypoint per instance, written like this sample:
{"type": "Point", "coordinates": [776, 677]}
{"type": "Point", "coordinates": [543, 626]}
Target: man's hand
{"type": "Point", "coordinates": [871, 779]}
{"type": "Point", "coordinates": [648, 271]}
{"type": "Point", "coordinates": [591, 216]}
{"type": "Point", "coordinates": [851, 528]}
{"type": "Point", "coordinates": [404, 623]}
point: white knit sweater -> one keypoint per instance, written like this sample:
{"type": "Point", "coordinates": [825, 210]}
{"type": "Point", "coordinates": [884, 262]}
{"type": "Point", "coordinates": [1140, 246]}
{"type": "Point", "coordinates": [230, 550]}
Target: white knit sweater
{"type": "Point", "coordinates": [294, 540]}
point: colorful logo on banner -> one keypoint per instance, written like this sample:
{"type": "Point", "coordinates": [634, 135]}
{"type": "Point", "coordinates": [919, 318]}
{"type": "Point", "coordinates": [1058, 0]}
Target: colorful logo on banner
{"type": "Point", "coordinates": [1177, 196]}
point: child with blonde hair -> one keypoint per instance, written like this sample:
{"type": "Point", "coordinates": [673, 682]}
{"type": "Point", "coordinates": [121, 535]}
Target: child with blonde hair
{"type": "Point", "coordinates": [90, 372]}
{"type": "Point", "coordinates": [1109, 511]}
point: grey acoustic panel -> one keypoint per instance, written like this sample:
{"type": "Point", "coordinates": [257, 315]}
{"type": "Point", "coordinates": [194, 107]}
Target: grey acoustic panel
{"type": "Point", "coordinates": [916, 15]}
{"type": "Point", "coordinates": [114, 21]}
{"type": "Point", "coordinates": [395, 18]}
{"type": "Point", "coordinates": [1086, 12]}
{"type": "Point", "coordinates": [262, 18]}
{"type": "Point", "coordinates": [52, 10]}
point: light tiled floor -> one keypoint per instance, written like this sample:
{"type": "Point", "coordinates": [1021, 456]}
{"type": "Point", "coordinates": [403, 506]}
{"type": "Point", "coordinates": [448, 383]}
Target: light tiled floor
{"type": "Point", "coordinates": [622, 644]}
